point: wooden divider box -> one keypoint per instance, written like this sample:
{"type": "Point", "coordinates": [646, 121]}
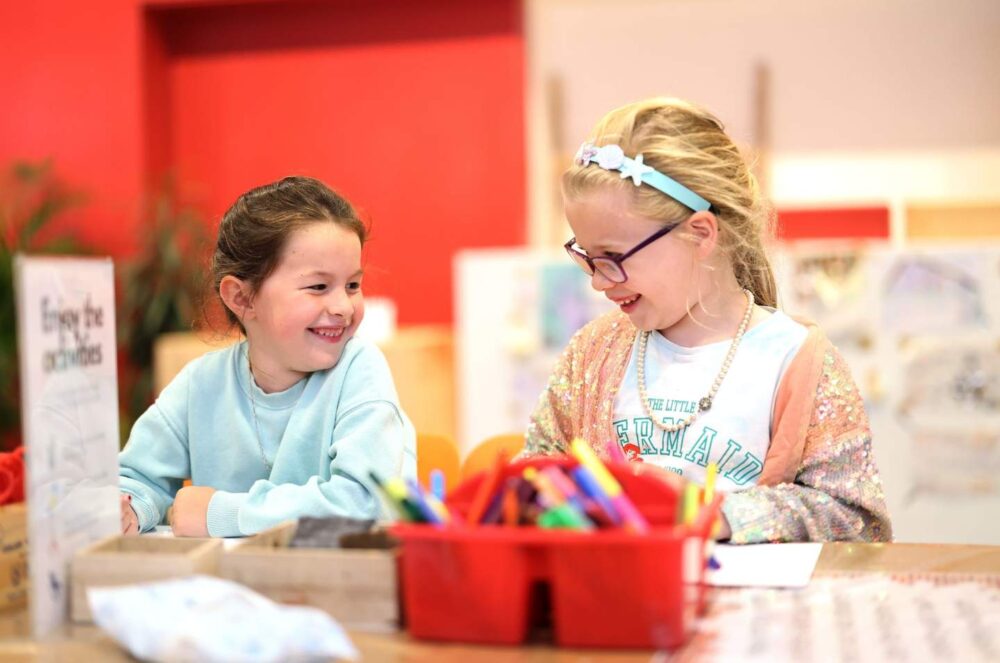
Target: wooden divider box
{"type": "Point", "coordinates": [125, 560]}
{"type": "Point", "coordinates": [13, 556]}
{"type": "Point", "coordinates": [356, 587]}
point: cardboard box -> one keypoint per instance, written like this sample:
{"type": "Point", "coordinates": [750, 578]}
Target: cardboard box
{"type": "Point", "coordinates": [125, 560]}
{"type": "Point", "coordinates": [13, 556]}
{"type": "Point", "coordinates": [356, 587]}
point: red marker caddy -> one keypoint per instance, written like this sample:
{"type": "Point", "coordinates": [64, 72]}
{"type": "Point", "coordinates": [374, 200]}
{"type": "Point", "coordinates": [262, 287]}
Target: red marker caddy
{"type": "Point", "coordinates": [607, 588]}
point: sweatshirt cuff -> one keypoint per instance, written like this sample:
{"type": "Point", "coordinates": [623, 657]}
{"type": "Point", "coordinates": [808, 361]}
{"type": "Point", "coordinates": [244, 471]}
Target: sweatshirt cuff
{"type": "Point", "coordinates": [147, 514]}
{"type": "Point", "coordinates": [224, 513]}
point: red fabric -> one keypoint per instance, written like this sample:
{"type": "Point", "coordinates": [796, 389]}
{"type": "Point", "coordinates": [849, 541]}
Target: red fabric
{"type": "Point", "coordinates": [12, 476]}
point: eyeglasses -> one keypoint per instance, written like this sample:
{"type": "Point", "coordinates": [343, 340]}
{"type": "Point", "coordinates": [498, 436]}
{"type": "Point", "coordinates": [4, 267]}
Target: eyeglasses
{"type": "Point", "coordinates": [610, 267]}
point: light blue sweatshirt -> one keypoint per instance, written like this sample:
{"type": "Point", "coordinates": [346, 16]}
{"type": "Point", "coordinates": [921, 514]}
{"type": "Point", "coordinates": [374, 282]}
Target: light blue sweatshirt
{"type": "Point", "coordinates": [323, 435]}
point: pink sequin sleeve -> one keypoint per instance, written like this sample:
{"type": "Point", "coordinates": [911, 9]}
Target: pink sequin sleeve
{"type": "Point", "coordinates": [580, 396]}
{"type": "Point", "coordinates": [837, 494]}
{"type": "Point", "coordinates": [550, 428]}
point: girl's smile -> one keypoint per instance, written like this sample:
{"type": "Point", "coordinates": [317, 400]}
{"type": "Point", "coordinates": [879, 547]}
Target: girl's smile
{"type": "Point", "coordinates": [329, 334]}
{"type": "Point", "coordinates": [626, 304]}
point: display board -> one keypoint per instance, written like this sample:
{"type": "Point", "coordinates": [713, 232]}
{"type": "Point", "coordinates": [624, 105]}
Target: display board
{"type": "Point", "coordinates": [69, 389]}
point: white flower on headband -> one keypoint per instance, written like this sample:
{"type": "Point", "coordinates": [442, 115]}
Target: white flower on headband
{"type": "Point", "coordinates": [635, 169]}
{"type": "Point", "coordinates": [610, 157]}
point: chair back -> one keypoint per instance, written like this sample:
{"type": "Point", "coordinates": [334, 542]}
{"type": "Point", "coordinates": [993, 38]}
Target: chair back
{"type": "Point", "coordinates": [437, 452]}
{"type": "Point", "coordinates": [484, 454]}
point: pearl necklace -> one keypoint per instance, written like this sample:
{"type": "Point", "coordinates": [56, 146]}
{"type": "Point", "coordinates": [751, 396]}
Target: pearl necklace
{"type": "Point", "coordinates": [253, 409]}
{"type": "Point", "coordinates": [705, 404]}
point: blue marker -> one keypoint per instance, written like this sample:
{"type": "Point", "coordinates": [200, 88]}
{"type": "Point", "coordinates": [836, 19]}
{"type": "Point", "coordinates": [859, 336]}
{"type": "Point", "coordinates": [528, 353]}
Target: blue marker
{"type": "Point", "coordinates": [416, 494]}
{"type": "Point", "coordinates": [437, 484]}
{"type": "Point", "coordinates": [588, 484]}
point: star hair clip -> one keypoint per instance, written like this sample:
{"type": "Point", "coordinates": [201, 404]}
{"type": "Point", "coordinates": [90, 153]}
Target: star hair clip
{"type": "Point", "coordinates": [612, 157]}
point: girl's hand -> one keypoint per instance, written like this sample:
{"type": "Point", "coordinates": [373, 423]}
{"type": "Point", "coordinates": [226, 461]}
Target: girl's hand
{"type": "Point", "coordinates": [130, 522]}
{"type": "Point", "coordinates": [189, 514]}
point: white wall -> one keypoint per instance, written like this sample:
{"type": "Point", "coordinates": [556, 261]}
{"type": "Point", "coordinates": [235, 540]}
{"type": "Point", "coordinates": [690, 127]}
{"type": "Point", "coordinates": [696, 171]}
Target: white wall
{"type": "Point", "coordinates": [870, 101]}
{"type": "Point", "coordinates": [845, 74]}
{"type": "Point", "coordinates": [877, 80]}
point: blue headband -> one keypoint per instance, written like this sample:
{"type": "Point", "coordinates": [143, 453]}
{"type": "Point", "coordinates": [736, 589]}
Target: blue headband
{"type": "Point", "coordinates": [612, 157]}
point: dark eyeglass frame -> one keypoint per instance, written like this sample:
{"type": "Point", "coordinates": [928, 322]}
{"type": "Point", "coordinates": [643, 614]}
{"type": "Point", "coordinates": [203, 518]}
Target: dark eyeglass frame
{"type": "Point", "coordinates": [590, 265]}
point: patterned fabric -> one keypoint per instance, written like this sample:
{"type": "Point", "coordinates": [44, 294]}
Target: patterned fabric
{"type": "Point", "coordinates": [819, 482]}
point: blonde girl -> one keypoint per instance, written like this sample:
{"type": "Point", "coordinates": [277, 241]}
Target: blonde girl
{"type": "Point", "coordinates": [698, 365]}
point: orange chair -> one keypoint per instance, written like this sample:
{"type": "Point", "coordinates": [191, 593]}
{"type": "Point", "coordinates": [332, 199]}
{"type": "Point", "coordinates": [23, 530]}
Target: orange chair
{"type": "Point", "coordinates": [437, 452]}
{"type": "Point", "coordinates": [484, 454]}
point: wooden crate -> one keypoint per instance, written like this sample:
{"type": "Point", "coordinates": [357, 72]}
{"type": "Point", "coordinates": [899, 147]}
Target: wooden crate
{"type": "Point", "coordinates": [13, 556]}
{"type": "Point", "coordinates": [356, 587]}
{"type": "Point", "coordinates": [124, 560]}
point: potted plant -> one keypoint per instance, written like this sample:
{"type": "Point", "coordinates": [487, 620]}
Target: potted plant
{"type": "Point", "coordinates": [31, 199]}
{"type": "Point", "coordinates": [161, 290]}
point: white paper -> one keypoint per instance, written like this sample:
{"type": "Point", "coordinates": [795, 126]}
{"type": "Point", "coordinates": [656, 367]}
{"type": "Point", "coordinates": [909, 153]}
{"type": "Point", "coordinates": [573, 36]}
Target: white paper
{"type": "Point", "coordinates": [764, 565]}
{"type": "Point", "coordinates": [69, 412]}
{"type": "Point", "coordinates": [854, 618]}
{"type": "Point", "coordinates": [201, 618]}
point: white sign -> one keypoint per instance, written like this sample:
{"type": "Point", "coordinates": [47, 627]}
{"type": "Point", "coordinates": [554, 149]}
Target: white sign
{"type": "Point", "coordinates": [69, 413]}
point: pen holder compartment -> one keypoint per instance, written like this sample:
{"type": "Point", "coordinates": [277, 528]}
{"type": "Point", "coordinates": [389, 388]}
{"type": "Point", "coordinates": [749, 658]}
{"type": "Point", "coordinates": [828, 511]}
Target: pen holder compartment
{"type": "Point", "coordinates": [125, 560]}
{"type": "Point", "coordinates": [608, 588]}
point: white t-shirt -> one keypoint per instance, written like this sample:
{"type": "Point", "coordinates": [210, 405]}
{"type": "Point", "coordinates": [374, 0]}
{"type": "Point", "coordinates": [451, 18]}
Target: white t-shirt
{"type": "Point", "coordinates": [736, 432]}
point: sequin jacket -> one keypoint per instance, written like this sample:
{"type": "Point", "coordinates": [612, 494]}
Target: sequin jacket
{"type": "Point", "coordinates": [819, 481]}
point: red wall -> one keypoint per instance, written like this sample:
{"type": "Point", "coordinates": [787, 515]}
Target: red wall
{"type": "Point", "coordinates": [833, 223]}
{"type": "Point", "coordinates": [411, 108]}
{"type": "Point", "coordinates": [69, 89]}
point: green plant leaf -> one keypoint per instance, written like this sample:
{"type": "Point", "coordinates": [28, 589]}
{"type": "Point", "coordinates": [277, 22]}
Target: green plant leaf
{"type": "Point", "coordinates": [160, 286]}
{"type": "Point", "coordinates": [30, 198]}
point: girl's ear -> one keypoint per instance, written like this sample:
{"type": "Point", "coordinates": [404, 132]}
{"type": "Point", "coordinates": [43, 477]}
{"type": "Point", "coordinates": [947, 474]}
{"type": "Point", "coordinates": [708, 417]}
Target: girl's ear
{"type": "Point", "coordinates": [703, 228]}
{"type": "Point", "coordinates": [237, 296]}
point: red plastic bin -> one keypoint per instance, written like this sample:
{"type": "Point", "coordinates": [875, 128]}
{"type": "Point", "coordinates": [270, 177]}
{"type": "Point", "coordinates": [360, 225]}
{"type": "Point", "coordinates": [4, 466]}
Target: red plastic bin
{"type": "Point", "coordinates": [608, 588]}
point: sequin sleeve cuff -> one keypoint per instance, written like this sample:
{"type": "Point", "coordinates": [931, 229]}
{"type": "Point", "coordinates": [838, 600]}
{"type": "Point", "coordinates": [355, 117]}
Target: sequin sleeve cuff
{"type": "Point", "coordinates": [750, 520]}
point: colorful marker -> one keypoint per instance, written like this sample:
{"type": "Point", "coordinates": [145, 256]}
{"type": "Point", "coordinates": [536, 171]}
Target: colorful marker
{"type": "Point", "coordinates": [437, 484]}
{"type": "Point", "coordinates": [404, 509]}
{"type": "Point", "coordinates": [552, 498]}
{"type": "Point", "coordinates": [416, 495]}
{"type": "Point", "coordinates": [494, 512]}
{"type": "Point", "coordinates": [564, 485]}
{"type": "Point", "coordinates": [434, 503]}
{"type": "Point", "coordinates": [710, 474]}
{"type": "Point", "coordinates": [691, 493]}
{"type": "Point", "coordinates": [511, 504]}
{"type": "Point", "coordinates": [709, 494]}
{"type": "Point", "coordinates": [630, 515]}
{"type": "Point", "coordinates": [589, 486]}
{"type": "Point", "coordinates": [548, 494]}
{"type": "Point", "coordinates": [564, 516]}
{"type": "Point", "coordinates": [487, 487]}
